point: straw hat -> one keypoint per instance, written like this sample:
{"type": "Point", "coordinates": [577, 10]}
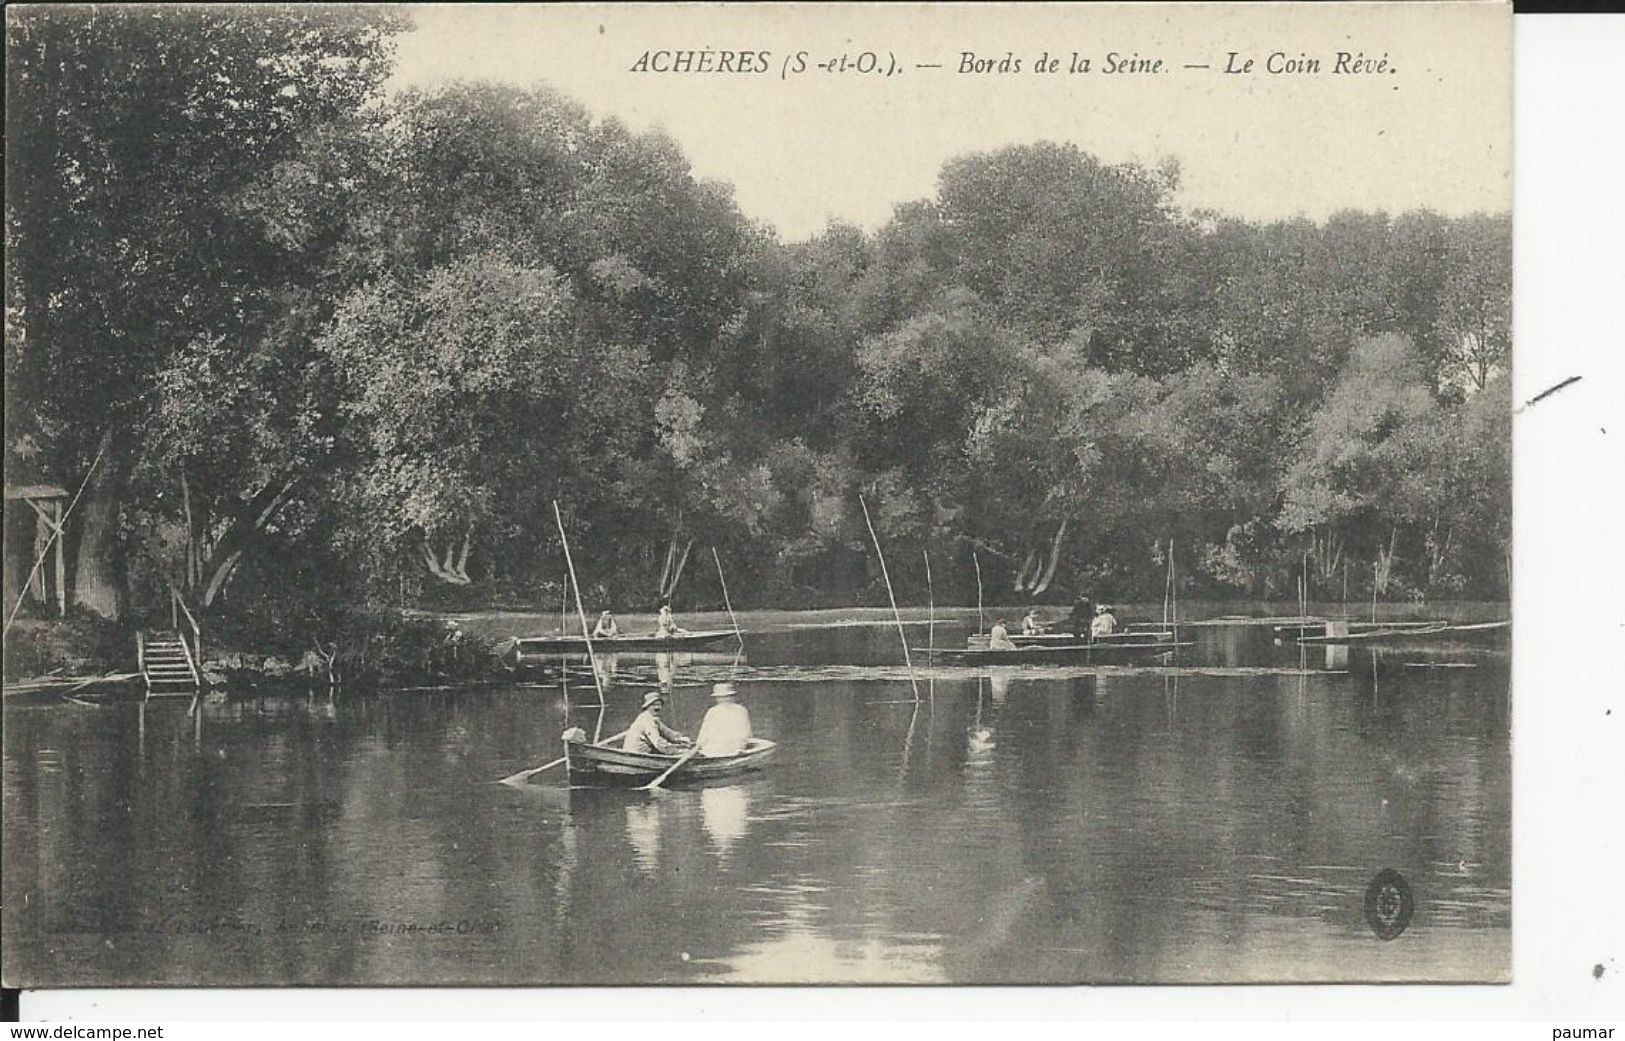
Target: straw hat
{"type": "Point", "coordinates": [723, 690]}
{"type": "Point", "coordinates": [654, 697]}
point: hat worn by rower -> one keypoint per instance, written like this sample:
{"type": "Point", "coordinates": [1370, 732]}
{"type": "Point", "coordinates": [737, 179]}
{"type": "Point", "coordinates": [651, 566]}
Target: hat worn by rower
{"type": "Point", "coordinates": [654, 697]}
{"type": "Point", "coordinates": [723, 690]}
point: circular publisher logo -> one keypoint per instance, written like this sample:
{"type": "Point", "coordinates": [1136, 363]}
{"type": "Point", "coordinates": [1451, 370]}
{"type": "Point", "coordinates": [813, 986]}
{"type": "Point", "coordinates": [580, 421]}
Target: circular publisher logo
{"type": "Point", "coordinates": [1389, 904]}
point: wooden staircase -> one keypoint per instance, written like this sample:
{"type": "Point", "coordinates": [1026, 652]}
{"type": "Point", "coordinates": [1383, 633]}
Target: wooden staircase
{"type": "Point", "coordinates": [167, 664]}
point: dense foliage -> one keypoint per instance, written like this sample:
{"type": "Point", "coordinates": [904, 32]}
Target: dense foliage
{"type": "Point", "coordinates": [335, 350]}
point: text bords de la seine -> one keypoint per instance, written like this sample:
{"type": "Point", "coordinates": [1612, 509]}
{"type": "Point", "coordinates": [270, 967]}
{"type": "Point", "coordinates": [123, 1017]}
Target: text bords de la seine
{"type": "Point", "coordinates": [1235, 63]}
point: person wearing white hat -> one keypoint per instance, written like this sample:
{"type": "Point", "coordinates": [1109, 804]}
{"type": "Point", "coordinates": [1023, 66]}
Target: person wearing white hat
{"type": "Point", "coordinates": [1105, 622]}
{"type": "Point", "coordinates": [649, 735]}
{"type": "Point", "coordinates": [725, 730]}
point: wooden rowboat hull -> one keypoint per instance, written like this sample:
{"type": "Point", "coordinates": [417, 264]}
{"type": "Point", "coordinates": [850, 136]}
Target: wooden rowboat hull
{"type": "Point", "coordinates": [976, 643]}
{"type": "Point", "coordinates": [535, 646]}
{"type": "Point", "coordinates": [602, 764]}
{"type": "Point", "coordinates": [1478, 632]}
{"type": "Point", "coordinates": [1080, 654]}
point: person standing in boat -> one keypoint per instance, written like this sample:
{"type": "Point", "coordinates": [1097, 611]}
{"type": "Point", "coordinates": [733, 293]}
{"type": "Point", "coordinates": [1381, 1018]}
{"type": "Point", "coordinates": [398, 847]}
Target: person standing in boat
{"type": "Point", "coordinates": [666, 622]}
{"type": "Point", "coordinates": [998, 638]}
{"type": "Point", "coordinates": [649, 735]}
{"type": "Point", "coordinates": [1105, 623]}
{"type": "Point", "coordinates": [725, 730]}
{"type": "Point", "coordinates": [1082, 617]}
{"type": "Point", "coordinates": [606, 629]}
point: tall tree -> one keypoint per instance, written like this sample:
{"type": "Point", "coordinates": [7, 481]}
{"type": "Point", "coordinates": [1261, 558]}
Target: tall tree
{"type": "Point", "coordinates": [133, 137]}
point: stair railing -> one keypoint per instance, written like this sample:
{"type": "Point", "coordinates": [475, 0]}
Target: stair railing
{"type": "Point", "coordinates": [194, 647]}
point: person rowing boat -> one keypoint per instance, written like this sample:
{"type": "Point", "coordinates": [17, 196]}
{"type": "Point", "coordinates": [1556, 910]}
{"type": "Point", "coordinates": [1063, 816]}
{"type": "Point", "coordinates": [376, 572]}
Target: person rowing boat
{"type": "Point", "coordinates": [1031, 626]}
{"type": "Point", "coordinates": [649, 735]}
{"type": "Point", "coordinates": [606, 629]}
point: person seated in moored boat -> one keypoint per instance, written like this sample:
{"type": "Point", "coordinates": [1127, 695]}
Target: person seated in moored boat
{"type": "Point", "coordinates": [725, 730]}
{"type": "Point", "coordinates": [606, 629]}
{"type": "Point", "coordinates": [1105, 622]}
{"type": "Point", "coordinates": [1030, 625]}
{"type": "Point", "coordinates": [1082, 616]}
{"type": "Point", "coordinates": [666, 622]}
{"type": "Point", "coordinates": [649, 735]}
{"type": "Point", "coordinates": [998, 638]}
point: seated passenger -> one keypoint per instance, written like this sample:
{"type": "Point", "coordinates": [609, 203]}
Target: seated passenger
{"type": "Point", "coordinates": [998, 638]}
{"type": "Point", "coordinates": [606, 629]}
{"type": "Point", "coordinates": [726, 727]}
{"type": "Point", "coordinates": [1030, 625]}
{"type": "Point", "coordinates": [1105, 622]}
{"type": "Point", "coordinates": [649, 735]}
{"type": "Point", "coordinates": [666, 622]}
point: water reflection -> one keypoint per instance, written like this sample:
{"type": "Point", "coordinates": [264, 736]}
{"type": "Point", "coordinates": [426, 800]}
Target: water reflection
{"type": "Point", "coordinates": [643, 832]}
{"type": "Point", "coordinates": [725, 813]}
{"type": "Point", "coordinates": [1119, 826]}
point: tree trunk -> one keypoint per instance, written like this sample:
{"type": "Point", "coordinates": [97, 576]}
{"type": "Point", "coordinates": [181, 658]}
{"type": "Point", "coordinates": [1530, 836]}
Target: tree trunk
{"type": "Point", "coordinates": [1029, 564]}
{"type": "Point", "coordinates": [1054, 558]}
{"type": "Point", "coordinates": [98, 575]}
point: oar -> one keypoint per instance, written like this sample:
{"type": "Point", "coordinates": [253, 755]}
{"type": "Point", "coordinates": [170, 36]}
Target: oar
{"type": "Point", "coordinates": [533, 771]}
{"type": "Point", "coordinates": [652, 785]}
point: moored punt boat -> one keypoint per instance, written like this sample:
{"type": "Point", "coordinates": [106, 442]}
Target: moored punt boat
{"type": "Point", "coordinates": [534, 646]}
{"type": "Point", "coordinates": [1099, 652]}
{"type": "Point", "coordinates": [1475, 632]}
{"type": "Point", "coordinates": [1068, 640]}
{"type": "Point", "coordinates": [1319, 627]}
{"type": "Point", "coordinates": [608, 764]}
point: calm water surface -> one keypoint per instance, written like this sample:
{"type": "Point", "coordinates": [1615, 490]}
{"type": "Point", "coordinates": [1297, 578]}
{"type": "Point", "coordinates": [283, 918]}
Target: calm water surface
{"type": "Point", "coordinates": [1219, 821]}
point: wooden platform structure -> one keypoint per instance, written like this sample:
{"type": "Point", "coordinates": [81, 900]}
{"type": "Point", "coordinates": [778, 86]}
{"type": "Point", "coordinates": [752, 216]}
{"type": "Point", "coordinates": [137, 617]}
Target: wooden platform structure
{"type": "Point", "coordinates": [46, 500]}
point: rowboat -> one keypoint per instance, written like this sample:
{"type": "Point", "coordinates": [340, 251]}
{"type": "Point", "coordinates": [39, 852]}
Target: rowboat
{"type": "Point", "coordinates": [1068, 640]}
{"type": "Point", "coordinates": [1099, 652]}
{"type": "Point", "coordinates": [1475, 632]}
{"type": "Point", "coordinates": [606, 764]}
{"type": "Point", "coordinates": [1318, 627]}
{"type": "Point", "coordinates": [534, 646]}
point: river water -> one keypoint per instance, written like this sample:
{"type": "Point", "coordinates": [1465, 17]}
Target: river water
{"type": "Point", "coordinates": [1217, 819]}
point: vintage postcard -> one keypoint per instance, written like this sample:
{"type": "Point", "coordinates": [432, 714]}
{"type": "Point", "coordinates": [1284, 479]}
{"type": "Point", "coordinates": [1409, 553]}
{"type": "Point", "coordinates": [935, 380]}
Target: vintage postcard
{"type": "Point", "coordinates": [781, 494]}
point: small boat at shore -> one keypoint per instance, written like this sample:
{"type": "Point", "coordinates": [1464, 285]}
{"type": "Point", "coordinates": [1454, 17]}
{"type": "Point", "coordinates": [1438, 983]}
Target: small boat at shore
{"type": "Point", "coordinates": [608, 764]}
{"type": "Point", "coordinates": [527, 647]}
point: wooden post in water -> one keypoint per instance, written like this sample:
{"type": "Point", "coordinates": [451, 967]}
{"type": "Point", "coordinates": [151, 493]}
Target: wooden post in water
{"type": "Point", "coordinates": [890, 595]}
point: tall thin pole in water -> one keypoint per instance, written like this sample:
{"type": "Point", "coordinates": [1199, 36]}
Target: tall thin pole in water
{"type": "Point", "coordinates": [930, 631]}
{"type": "Point", "coordinates": [907, 661]}
{"type": "Point", "coordinates": [981, 623]}
{"type": "Point", "coordinates": [1173, 585]}
{"type": "Point", "coordinates": [728, 603]}
{"type": "Point", "coordinates": [586, 634]}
